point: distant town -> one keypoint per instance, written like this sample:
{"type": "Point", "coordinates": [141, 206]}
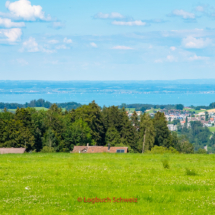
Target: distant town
{"type": "Point", "coordinates": [180, 118]}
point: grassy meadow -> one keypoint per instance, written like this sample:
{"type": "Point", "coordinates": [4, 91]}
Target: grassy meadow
{"type": "Point", "coordinates": [212, 129]}
{"type": "Point", "coordinates": [51, 183]}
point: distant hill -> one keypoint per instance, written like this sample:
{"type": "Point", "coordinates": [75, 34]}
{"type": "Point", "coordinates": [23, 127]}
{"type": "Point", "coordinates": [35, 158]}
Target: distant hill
{"type": "Point", "coordinates": [40, 104]}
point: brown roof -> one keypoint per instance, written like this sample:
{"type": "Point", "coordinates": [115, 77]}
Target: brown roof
{"type": "Point", "coordinates": [12, 150]}
{"type": "Point", "coordinates": [78, 148]}
{"type": "Point", "coordinates": [97, 149]}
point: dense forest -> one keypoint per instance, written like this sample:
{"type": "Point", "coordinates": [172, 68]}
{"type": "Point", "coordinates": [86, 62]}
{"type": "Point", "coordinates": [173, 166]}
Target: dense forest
{"type": "Point", "coordinates": [198, 135]}
{"type": "Point", "coordinates": [59, 131]}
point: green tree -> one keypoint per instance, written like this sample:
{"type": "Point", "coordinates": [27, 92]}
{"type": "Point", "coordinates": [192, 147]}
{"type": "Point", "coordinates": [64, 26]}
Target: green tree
{"type": "Point", "coordinates": [179, 107]}
{"type": "Point", "coordinates": [112, 136]}
{"type": "Point", "coordinates": [184, 146]}
{"type": "Point", "coordinates": [24, 116]}
{"type": "Point", "coordinates": [16, 135]}
{"type": "Point", "coordinates": [128, 132]}
{"type": "Point", "coordinates": [201, 151]}
{"type": "Point", "coordinates": [6, 115]}
{"type": "Point", "coordinates": [143, 109]}
{"type": "Point", "coordinates": [162, 133]}
{"type": "Point", "coordinates": [206, 116]}
{"type": "Point", "coordinates": [146, 133]}
{"type": "Point", "coordinates": [113, 117]}
{"type": "Point", "coordinates": [212, 140]}
{"type": "Point", "coordinates": [92, 115]}
{"type": "Point", "coordinates": [134, 120]}
{"type": "Point", "coordinates": [50, 139]}
{"type": "Point", "coordinates": [39, 127]}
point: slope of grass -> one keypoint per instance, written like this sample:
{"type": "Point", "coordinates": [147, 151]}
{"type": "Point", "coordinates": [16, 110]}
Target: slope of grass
{"type": "Point", "coordinates": [52, 183]}
{"type": "Point", "coordinates": [212, 129]}
{"type": "Point", "coordinates": [193, 110]}
{"type": "Point", "coordinates": [41, 108]}
{"type": "Point", "coordinates": [130, 109]}
{"type": "Point", "coordinates": [152, 110]}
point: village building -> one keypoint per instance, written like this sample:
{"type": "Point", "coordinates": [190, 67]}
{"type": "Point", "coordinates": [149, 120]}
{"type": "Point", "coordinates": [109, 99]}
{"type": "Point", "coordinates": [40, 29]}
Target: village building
{"type": "Point", "coordinates": [99, 149]}
{"type": "Point", "coordinates": [172, 127]}
{"type": "Point", "coordinates": [139, 113]}
{"type": "Point", "coordinates": [12, 150]}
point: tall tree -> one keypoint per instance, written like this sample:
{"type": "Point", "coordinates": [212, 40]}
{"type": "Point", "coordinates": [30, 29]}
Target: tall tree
{"type": "Point", "coordinates": [206, 116]}
{"type": "Point", "coordinates": [134, 120]}
{"type": "Point", "coordinates": [92, 115]}
{"type": "Point", "coordinates": [162, 133]}
{"type": "Point", "coordinates": [128, 132]}
{"type": "Point", "coordinates": [146, 133]}
{"type": "Point", "coordinates": [16, 135]}
{"type": "Point", "coordinates": [112, 136]}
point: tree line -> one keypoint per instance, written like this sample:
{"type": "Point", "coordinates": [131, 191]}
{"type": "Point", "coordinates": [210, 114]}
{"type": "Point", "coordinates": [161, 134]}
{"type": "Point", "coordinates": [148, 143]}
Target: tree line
{"type": "Point", "coordinates": [144, 107]}
{"type": "Point", "coordinates": [198, 135]}
{"type": "Point", "coordinates": [39, 103]}
{"type": "Point", "coordinates": [59, 131]}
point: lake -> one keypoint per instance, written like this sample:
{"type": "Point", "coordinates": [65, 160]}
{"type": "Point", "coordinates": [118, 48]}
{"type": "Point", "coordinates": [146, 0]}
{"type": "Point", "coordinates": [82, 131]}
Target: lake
{"type": "Point", "coordinates": [109, 99]}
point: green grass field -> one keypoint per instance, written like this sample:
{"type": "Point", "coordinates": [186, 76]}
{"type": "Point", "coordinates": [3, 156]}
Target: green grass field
{"type": "Point", "coordinates": [130, 109]}
{"type": "Point", "coordinates": [212, 129]}
{"type": "Point", "coordinates": [52, 183]}
{"type": "Point", "coordinates": [196, 111]}
{"type": "Point", "coordinates": [152, 110]}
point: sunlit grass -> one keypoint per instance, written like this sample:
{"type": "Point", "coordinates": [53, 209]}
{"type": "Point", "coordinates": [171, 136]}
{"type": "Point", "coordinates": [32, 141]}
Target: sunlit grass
{"type": "Point", "coordinates": [52, 183]}
{"type": "Point", "coordinates": [212, 129]}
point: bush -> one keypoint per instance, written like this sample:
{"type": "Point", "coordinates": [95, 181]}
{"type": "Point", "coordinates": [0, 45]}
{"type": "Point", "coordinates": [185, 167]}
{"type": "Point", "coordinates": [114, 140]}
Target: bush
{"type": "Point", "coordinates": [201, 151]}
{"type": "Point", "coordinates": [165, 164]}
{"type": "Point", "coordinates": [191, 172]}
{"type": "Point", "coordinates": [47, 149]}
{"type": "Point", "coordinates": [162, 150]}
{"type": "Point", "coordinates": [184, 146]}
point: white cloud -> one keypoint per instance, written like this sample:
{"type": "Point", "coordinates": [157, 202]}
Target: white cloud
{"type": "Point", "coordinates": [67, 40]}
{"type": "Point", "coordinates": [7, 23]}
{"type": "Point", "coordinates": [62, 47]}
{"type": "Point", "coordinates": [53, 41]}
{"type": "Point", "coordinates": [158, 61]}
{"type": "Point", "coordinates": [122, 47]}
{"type": "Point", "coordinates": [30, 45]}
{"type": "Point", "coordinates": [57, 25]}
{"type": "Point", "coordinates": [22, 9]}
{"type": "Point", "coordinates": [113, 15]}
{"type": "Point", "coordinates": [184, 14]}
{"type": "Point", "coordinates": [47, 50]}
{"type": "Point", "coordinates": [93, 45]}
{"type": "Point", "coordinates": [23, 62]}
{"type": "Point", "coordinates": [200, 8]}
{"type": "Point", "coordinates": [172, 48]}
{"type": "Point", "coordinates": [171, 58]}
{"type": "Point", "coordinates": [12, 35]}
{"type": "Point", "coordinates": [129, 23]}
{"type": "Point", "coordinates": [195, 57]}
{"type": "Point", "coordinates": [192, 42]}
{"type": "Point", "coordinates": [188, 32]}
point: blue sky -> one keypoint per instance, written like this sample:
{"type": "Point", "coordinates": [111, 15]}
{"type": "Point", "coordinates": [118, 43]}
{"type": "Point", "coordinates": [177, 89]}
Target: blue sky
{"type": "Point", "coordinates": [107, 40]}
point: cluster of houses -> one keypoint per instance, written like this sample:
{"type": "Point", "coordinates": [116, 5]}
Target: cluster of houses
{"type": "Point", "coordinates": [77, 149]}
{"type": "Point", "coordinates": [187, 118]}
{"type": "Point", "coordinates": [131, 113]}
{"type": "Point", "coordinates": [184, 116]}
